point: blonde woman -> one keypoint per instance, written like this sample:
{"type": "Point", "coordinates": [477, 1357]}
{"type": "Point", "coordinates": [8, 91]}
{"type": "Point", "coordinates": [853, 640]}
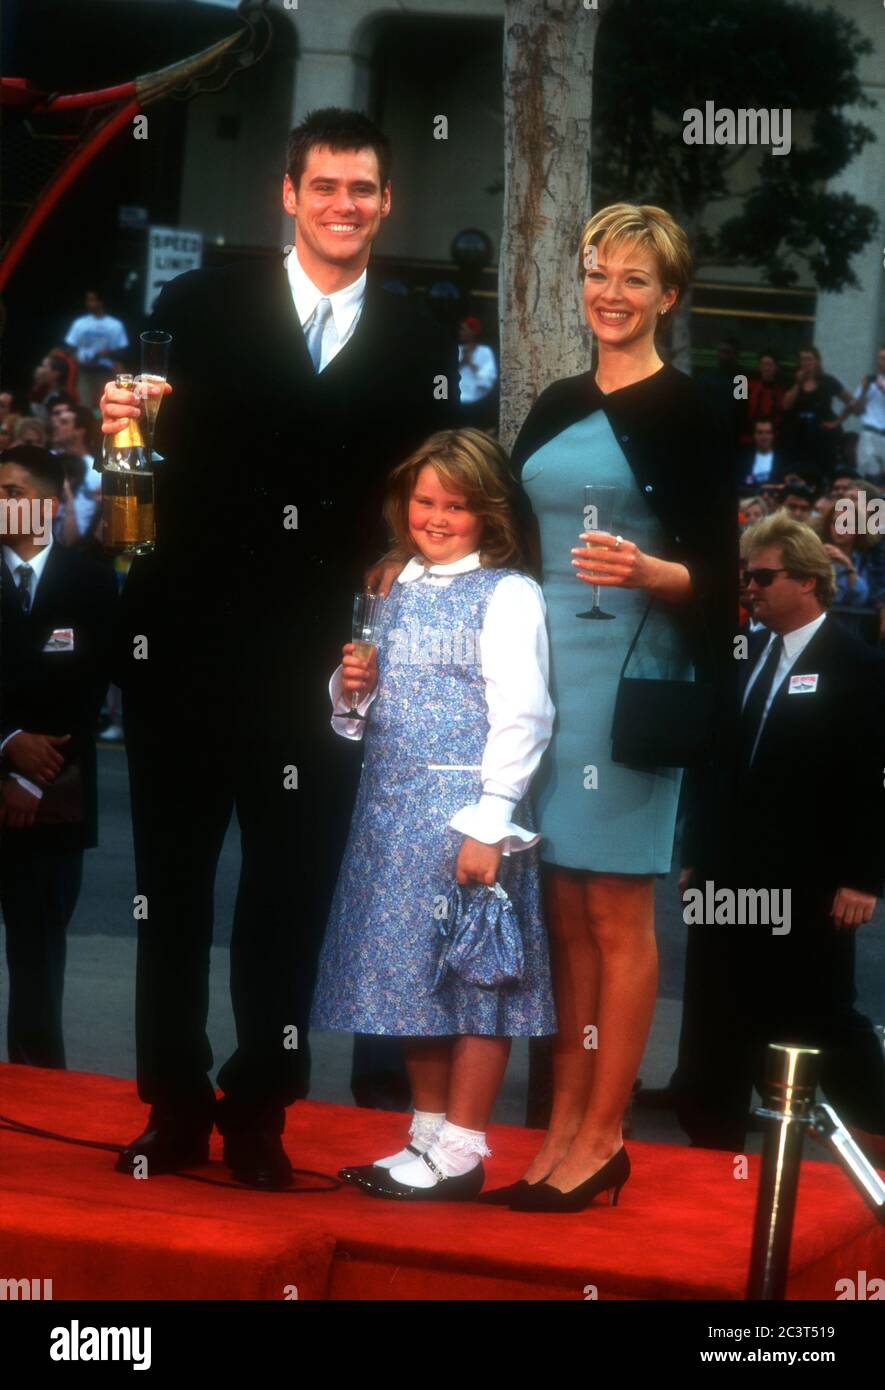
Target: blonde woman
{"type": "Point", "coordinates": [30, 431]}
{"type": "Point", "coordinates": [752, 509]}
{"type": "Point", "coordinates": [640, 426]}
{"type": "Point", "coordinates": [858, 555]}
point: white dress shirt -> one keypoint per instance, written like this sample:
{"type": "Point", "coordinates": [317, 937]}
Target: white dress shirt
{"type": "Point", "coordinates": [347, 305]}
{"type": "Point", "coordinates": [478, 376]}
{"type": "Point", "coordinates": [794, 645]}
{"type": "Point", "coordinates": [873, 412]}
{"type": "Point", "coordinates": [762, 466]}
{"type": "Point", "coordinates": [12, 560]}
{"type": "Point", "coordinates": [514, 659]}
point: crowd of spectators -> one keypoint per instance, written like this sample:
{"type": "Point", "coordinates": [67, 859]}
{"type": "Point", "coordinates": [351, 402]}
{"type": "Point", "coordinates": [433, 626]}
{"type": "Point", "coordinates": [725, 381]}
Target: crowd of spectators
{"type": "Point", "coordinates": [789, 446]}
{"type": "Point", "coordinates": [59, 412]}
{"type": "Point", "coordinates": [791, 452]}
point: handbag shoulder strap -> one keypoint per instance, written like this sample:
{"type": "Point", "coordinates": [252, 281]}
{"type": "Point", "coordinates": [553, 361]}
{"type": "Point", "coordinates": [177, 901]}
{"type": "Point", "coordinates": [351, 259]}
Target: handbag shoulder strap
{"type": "Point", "coordinates": [707, 643]}
{"type": "Point", "coordinates": [636, 636]}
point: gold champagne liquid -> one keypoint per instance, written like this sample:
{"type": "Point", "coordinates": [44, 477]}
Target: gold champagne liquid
{"type": "Point", "coordinates": [363, 649]}
{"type": "Point", "coordinates": [127, 509]}
{"type": "Point", "coordinates": [127, 492]}
{"type": "Point", "coordinates": [150, 405]}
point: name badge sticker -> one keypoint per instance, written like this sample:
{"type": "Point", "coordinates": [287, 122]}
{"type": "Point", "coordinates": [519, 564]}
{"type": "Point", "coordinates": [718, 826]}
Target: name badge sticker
{"type": "Point", "coordinates": [803, 685]}
{"type": "Point", "coordinates": [62, 640]}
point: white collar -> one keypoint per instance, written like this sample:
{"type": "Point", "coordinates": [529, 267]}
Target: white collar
{"type": "Point", "coordinates": [37, 562]}
{"type": "Point", "coordinates": [345, 303]}
{"type": "Point", "coordinates": [416, 569]}
{"type": "Point", "coordinates": [796, 641]}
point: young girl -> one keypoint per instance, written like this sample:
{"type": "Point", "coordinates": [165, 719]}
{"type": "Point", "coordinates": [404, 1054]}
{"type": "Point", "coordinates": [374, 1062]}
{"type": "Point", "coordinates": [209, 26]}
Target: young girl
{"type": "Point", "coordinates": [457, 718]}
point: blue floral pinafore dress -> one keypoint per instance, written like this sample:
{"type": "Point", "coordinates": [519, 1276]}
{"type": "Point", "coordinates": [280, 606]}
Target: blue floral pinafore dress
{"type": "Point", "coordinates": [423, 748]}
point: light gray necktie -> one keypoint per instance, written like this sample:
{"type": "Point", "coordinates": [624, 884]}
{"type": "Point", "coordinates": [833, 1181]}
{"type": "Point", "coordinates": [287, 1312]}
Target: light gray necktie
{"type": "Point", "coordinates": [316, 331]}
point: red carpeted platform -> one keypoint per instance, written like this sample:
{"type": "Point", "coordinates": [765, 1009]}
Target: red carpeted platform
{"type": "Point", "coordinates": [681, 1231]}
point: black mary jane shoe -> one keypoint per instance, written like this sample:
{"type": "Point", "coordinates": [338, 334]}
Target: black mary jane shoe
{"type": "Point", "coordinates": [362, 1170]}
{"type": "Point", "coordinates": [609, 1178]}
{"type": "Point", "coordinates": [466, 1188]}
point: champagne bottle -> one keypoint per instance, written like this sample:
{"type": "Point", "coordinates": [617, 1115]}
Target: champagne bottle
{"type": "Point", "coordinates": [127, 489]}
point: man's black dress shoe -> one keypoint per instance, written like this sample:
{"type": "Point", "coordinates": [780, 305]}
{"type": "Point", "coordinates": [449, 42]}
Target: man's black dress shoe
{"type": "Point", "coordinates": [257, 1159]}
{"type": "Point", "coordinates": [610, 1177]}
{"type": "Point", "coordinates": [378, 1183]}
{"type": "Point", "coordinates": [166, 1146]}
{"type": "Point", "coordinates": [363, 1170]}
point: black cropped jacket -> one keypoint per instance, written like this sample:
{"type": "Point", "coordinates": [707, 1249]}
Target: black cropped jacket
{"type": "Point", "coordinates": [673, 444]}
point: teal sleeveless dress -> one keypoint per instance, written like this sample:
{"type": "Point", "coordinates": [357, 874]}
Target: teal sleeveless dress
{"type": "Point", "coordinates": [592, 813]}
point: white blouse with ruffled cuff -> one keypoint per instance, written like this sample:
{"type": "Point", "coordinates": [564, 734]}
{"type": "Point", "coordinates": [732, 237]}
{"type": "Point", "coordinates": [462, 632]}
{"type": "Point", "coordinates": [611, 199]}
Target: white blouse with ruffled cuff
{"type": "Point", "coordinates": [514, 657]}
{"type": "Point", "coordinates": [347, 728]}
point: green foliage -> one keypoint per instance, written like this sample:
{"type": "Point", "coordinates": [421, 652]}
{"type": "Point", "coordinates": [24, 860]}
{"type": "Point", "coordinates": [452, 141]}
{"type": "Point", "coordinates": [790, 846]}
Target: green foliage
{"type": "Point", "coordinates": [657, 58]}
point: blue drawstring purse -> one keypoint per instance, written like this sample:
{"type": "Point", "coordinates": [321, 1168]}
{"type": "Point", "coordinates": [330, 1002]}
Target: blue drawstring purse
{"type": "Point", "coordinates": [481, 938]}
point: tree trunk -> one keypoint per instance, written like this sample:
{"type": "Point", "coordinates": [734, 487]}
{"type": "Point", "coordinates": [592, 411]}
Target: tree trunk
{"type": "Point", "coordinates": [680, 341]}
{"type": "Point", "coordinates": [548, 66]}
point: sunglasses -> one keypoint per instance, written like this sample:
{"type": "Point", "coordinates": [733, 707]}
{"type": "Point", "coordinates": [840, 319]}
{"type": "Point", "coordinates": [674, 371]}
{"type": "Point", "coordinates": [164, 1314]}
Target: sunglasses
{"type": "Point", "coordinates": [762, 577]}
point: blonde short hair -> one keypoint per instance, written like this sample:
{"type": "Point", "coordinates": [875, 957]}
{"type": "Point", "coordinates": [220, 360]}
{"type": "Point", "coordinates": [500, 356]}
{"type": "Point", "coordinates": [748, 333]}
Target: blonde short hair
{"type": "Point", "coordinates": [29, 424]}
{"type": "Point", "coordinates": [646, 226]}
{"type": "Point", "coordinates": [746, 502]}
{"type": "Point", "coordinates": [802, 552]}
{"type": "Point", "coordinates": [470, 463]}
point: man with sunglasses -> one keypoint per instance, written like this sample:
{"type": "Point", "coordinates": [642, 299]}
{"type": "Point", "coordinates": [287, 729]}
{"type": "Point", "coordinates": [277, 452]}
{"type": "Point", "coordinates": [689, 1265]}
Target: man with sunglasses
{"type": "Point", "coordinates": [807, 684]}
{"type": "Point", "coordinates": [772, 495]}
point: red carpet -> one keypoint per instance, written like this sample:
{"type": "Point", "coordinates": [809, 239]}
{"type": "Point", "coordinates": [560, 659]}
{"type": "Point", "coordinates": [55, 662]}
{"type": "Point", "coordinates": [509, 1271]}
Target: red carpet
{"type": "Point", "coordinates": [681, 1231]}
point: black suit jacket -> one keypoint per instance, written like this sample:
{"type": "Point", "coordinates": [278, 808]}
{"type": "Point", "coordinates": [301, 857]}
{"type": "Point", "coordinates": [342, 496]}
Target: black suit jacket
{"type": "Point", "coordinates": [269, 496]}
{"type": "Point", "coordinates": [809, 813]}
{"type": "Point", "coordinates": [59, 692]}
{"type": "Point", "coordinates": [746, 484]}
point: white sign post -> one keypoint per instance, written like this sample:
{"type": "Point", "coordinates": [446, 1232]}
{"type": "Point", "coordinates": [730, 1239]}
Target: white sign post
{"type": "Point", "coordinates": [169, 253]}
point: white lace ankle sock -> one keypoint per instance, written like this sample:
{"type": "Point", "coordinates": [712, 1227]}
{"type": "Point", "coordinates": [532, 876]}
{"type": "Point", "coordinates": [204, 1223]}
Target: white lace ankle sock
{"type": "Point", "coordinates": [454, 1151]}
{"type": "Point", "coordinates": [424, 1126]}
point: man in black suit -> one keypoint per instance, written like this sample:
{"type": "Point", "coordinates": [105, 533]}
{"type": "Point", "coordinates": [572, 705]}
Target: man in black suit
{"type": "Point", "coordinates": [799, 807]}
{"type": "Point", "coordinates": [761, 462]}
{"type": "Point", "coordinates": [297, 386]}
{"type": "Point", "coordinates": [57, 622]}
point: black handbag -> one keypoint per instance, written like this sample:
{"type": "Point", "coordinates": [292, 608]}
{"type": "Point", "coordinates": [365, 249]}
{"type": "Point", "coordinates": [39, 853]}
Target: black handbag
{"type": "Point", "coordinates": [661, 723]}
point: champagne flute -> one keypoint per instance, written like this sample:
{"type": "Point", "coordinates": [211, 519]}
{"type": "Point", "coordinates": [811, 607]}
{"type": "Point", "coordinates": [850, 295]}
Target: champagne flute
{"type": "Point", "coordinates": [154, 370]}
{"type": "Point", "coordinates": [599, 511]}
{"type": "Point", "coordinates": [366, 616]}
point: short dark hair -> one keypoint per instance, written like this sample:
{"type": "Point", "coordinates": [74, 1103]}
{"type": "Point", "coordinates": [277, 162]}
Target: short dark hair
{"type": "Point", "coordinates": [337, 129]}
{"type": "Point", "coordinates": [763, 420]}
{"type": "Point", "coordinates": [46, 469]}
{"type": "Point", "coordinates": [798, 490]}
{"type": "Point", "coordinates": [84, 420]}
{"type": "Point", "coordinates": [768, 352]}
